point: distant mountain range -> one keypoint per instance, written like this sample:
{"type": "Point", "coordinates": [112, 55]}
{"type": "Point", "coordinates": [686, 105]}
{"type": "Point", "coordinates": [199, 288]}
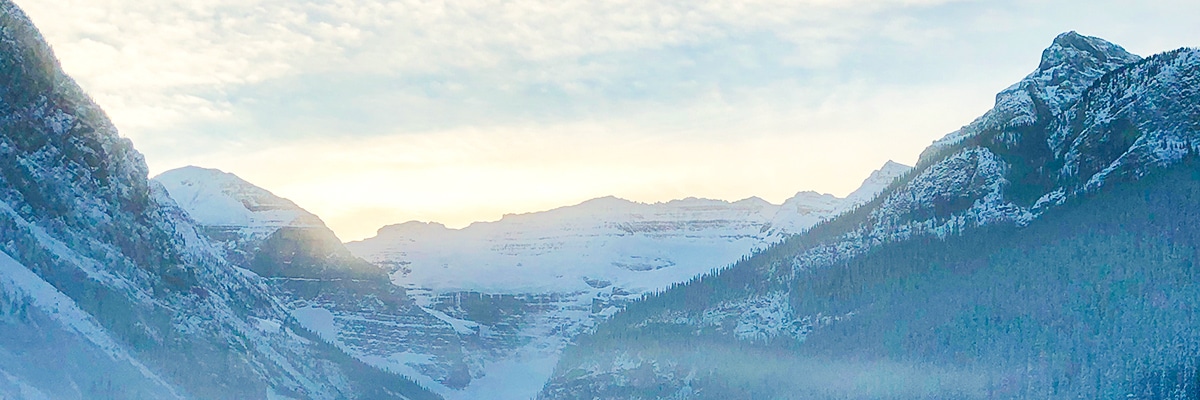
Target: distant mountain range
{"type": "Point", "coordinates": [636, 246]}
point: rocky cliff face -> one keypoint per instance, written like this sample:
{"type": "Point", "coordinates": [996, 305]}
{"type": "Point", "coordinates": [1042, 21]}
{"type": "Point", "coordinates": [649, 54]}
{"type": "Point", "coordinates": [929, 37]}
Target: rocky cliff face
{"type": "Point", "coordinates": [109, 289]}
{"type": "Point", "coordinates": [1090, 115]}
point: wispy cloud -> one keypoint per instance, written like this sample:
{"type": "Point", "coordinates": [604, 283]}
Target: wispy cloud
{"type": "Point", "coordinates": [161, 63]}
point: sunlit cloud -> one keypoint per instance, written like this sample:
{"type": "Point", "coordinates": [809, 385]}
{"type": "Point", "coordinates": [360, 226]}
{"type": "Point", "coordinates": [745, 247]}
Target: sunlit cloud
{"type": "Point", "coordinates": [370, 112]}
{"type": "Point", "coordinates": [136, 57]}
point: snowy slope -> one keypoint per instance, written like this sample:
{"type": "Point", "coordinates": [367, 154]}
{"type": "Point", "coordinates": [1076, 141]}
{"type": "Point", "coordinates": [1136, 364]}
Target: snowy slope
{"type": "Point", "coordinates": [37, 322]}
{"type": "Point", "coordinates": [257, 230]}
{"type": "Point", "coordinates": [875, 184]}
{"type": "Point", "coordinates": [219, 199]}
{"type": "Point", "coordinates": [635, 246]}
{"type": "Point", "coordinates": [808, 208]}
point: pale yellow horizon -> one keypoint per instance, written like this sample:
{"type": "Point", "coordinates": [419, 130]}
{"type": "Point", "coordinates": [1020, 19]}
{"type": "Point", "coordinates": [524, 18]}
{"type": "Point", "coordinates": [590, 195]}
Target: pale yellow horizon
{"type": "Point", "coordinates": [459, 177]}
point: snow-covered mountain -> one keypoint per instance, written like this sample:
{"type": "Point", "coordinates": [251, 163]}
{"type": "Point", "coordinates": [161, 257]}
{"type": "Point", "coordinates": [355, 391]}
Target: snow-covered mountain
{"type": "Point", "coordinates": [638, 247]}
{"type": "Point", "coordinates": [345, 300]}
{"type": "Point", "coordinates": [222, 200]}
{"type": "Point", "coordinates": [260, 231]}
{"type": "Point", "coordinates": [108, 290]}
{"type": "Point", "coordinates": [1091, 119]}
{"type": "Point", "coordinates": [537, 280]}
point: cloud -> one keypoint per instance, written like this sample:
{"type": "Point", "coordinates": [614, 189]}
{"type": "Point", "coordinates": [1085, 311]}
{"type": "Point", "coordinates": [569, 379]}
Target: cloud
{"type": "Point", "coordinates": [137, 57]}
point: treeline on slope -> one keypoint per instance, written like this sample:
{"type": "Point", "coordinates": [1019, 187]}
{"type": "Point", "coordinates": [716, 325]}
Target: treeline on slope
{"type": "Point", "coordinates": [1094, 300]}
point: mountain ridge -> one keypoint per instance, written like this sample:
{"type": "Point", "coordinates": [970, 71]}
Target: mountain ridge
{"type": "Point", "coordinates": [1001, 172]}
{"type": "Point", "coordinates": [867, 189]}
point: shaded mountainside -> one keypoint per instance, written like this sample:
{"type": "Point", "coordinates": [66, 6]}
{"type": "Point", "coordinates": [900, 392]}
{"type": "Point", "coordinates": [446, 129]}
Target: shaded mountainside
{"type": "Point", "coordinates": [108, 288]}
{"type": "Point", "coordinates": [1043, 251]}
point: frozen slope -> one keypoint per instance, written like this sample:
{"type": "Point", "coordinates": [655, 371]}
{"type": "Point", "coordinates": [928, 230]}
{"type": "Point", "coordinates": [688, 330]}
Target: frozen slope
{"type": "Point", "coordinates": [219, 199]}
{"type": "Point", "coordinates": [39, 324]}
{"type": "Point", "coordinates": [635, 246]}
{"type": "Point", "coordinates": [806, 209]}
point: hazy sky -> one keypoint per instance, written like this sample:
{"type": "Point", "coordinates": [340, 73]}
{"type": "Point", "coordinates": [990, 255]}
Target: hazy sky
{"type": "Point", "coordinates": [372, 112]}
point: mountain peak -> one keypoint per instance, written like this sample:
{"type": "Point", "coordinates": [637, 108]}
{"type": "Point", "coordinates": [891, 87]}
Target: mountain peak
{"type": "Point", "coordinates": [192, 174]}
{"type": "Point", "coordinates": [197, 169]}
{"type": "Point", "coordinates": [879, 180]}
{"type": "Point", "coordinates": [753, 201]}
{"type": "Point", "coordinates": [412, 229]}
{"type": "Point", "coordinates": [217, 198]}
{"type": "Point", "coordinates": [1074, 49]}
{"type": "Point", "coordinates": [1068, 67]}
{"type": "Point", "coordinates": [892, 168]}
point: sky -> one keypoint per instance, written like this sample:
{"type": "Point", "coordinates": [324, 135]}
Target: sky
{"type": "Point", "coordinates": [374, 112]}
